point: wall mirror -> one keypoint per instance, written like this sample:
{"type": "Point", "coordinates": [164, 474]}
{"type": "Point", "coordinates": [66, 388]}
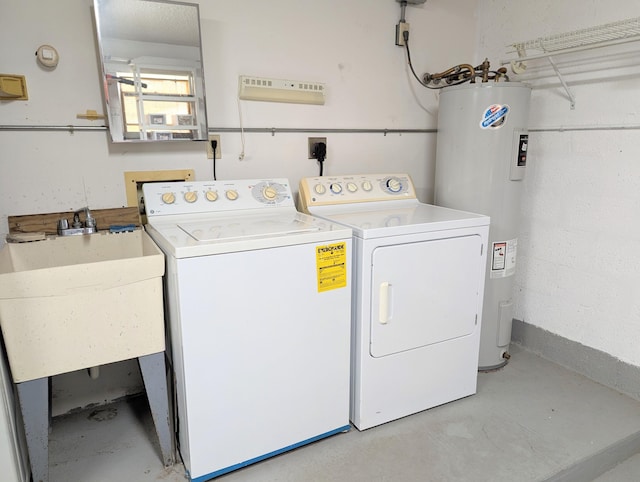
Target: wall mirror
{"type": "Point", "coordinates": [152, 69]}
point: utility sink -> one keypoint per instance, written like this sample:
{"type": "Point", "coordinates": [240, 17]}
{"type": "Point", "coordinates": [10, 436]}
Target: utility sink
{"type": "Point", "coordinates": [73, 302]}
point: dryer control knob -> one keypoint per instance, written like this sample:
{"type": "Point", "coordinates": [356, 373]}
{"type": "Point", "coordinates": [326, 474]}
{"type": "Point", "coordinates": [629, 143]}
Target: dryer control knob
{"type": "Point", "coordinates": [191, 196]}
{"type": "Point", "coordinates": [352, 187]}
{"type": "Point", "coordinates": [319, 189]}
{"type": "Point", "coordinates": [394, 185]}
{"type": "Point", "coordinates": [335, 188]}
{"type": "Point", "coordinates": [270, 193]}
{"type": "Point", "coordinates": [231, 194]}
{"type": "Point", "coordinates": [168, 198]}
{"type": "Point", "coordinates": [211, 196]}
{"type": "Point", "coordinates": [367, 186]}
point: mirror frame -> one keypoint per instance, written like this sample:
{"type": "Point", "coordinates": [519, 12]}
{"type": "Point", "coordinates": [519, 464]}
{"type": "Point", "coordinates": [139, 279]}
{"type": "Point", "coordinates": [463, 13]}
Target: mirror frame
{"type": "Point", "coordinates": [152, 43]}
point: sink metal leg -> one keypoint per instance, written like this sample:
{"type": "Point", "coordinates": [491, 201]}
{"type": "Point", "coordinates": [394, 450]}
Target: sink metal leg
{"type": "Point", "coordinates": [155, 381]}
{"type": "Point", "coordinates": [34, 404]}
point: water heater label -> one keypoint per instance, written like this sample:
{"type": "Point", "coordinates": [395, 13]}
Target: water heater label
{"type": "Point", "coordinates": [494, 116]}
{"type": "Point", "coordinates": [331, 265]}
{"type": "Point", "coordinates": [503, 258]}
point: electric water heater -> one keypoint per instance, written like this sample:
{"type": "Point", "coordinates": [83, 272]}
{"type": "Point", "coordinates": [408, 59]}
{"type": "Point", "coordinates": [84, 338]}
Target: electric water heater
{"type": "Point", "coordinates": [480, 165]}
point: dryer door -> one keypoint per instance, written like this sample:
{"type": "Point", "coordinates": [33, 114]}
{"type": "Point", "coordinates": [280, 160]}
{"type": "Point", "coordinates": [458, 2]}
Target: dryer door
{"type": "Point", "coordinates": [425, 292]}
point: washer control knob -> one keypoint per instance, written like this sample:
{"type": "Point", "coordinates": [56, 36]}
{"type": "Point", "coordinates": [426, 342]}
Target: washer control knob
{"type": "Point", "coordinates": [191, 196]}
{"type": "Point", "coordinates": [211, 196]}
{"type": "Point", "coordinates": [168, 198]}
{"type": "Point", "coordinates": [367, 186]}
{"type": "Point", "coordinates": [319, 189]}
{"type": "Point", "coordinates": [270, 193]}
{"type": "Point", "coordinates": [335, 188]}
{"type": "Point", "coordinates": [231, 194]}
{"type": "Point", "coordinates": [352, 187]}
{"type": "Point", "coordinates": [394, 185]}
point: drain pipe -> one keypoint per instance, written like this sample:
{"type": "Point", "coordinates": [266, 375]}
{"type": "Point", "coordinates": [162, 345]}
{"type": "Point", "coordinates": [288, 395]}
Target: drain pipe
{"type": "Point", "coordinates": [403, 9]}
{"type": "Point", "coordinates": [94, 372]}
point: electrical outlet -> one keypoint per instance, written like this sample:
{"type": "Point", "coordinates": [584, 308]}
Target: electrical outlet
{"type": "Point", "coordinates": [312, 142]}
{"type": "Point", "coordinates": [214, 137]}
{"type": "Point", "coordinates": [400, 29]}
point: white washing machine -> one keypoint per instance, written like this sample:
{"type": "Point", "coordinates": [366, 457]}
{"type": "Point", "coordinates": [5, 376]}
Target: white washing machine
{"type": "Point", "coordinates": [259, 301]}
{"type": "Point", "coordinates": [417, 293]}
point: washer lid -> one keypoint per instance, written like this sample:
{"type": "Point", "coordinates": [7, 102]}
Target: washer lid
{"type": "Point", "coordinates": [247, 227]}
{"type": "Point", "coordinates": [407, 219]}
{"type": "Point", "coordinates": [202, 235]}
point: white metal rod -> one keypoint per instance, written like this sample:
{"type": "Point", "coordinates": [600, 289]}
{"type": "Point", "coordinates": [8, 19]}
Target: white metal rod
{"type": "Point", "coordinates": [213, 130]}
{"type": "Point", "coordinates": [615, 127]}
{"type": "Point", "coordinates": [611, 127]}
{"type": "Point", "coordinates": [70, 128]}
{"type": "Point", "coordinates": [572, 98]}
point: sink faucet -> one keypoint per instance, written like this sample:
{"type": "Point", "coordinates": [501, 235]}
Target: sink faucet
{"type": "Point", "coordinates": [78, 227]}
{"type": "Point", "coordinates": [89, 220]}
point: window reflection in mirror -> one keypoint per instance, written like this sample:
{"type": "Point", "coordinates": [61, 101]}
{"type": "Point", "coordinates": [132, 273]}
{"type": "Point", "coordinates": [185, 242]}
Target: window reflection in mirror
{"type": "Point", "coordinates": [152, 68]}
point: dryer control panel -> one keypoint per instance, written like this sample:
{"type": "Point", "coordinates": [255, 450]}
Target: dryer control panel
{"type": "Point", "coordinates": [360, 188]}
{"type": "Point", "coordinates": [190, 197]}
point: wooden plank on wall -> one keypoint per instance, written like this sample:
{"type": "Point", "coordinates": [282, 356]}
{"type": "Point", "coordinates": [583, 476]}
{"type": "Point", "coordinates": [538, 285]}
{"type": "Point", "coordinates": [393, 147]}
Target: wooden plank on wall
{"type": "Point", "coordinates": [48, 223]}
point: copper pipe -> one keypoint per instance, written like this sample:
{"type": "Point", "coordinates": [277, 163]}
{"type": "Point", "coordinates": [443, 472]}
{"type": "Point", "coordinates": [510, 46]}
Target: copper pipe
{"type": "Point", "coordinates": [453, 70]}
{"type": "Point", "coordinates": [484, 69]}
{"type": "Point", "coordinates": [501, 72]}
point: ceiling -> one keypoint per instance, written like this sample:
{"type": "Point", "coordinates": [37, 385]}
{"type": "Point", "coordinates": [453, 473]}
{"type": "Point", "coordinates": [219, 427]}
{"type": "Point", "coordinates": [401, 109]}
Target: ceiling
{"type": "Point", "coordinates": [150, 21]}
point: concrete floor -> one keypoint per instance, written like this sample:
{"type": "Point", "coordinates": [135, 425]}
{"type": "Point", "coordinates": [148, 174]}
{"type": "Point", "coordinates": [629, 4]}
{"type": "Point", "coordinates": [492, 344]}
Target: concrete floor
{"type": "Point", "coordinates": [530, 421]}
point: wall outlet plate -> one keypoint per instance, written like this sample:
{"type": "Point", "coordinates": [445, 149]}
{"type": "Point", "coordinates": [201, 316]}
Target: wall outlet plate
{"type": "Point", "coordinates": [400, 29]}
{"type": "Point", "coordinates": [312, 142]}
{"type": "Point", "coordinates": [213, 137]}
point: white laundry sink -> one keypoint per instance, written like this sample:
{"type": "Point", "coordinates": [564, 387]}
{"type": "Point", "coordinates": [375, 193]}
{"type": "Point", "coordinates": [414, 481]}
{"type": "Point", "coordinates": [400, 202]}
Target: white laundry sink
{"type": "Point", "coordinates": [73, 302]}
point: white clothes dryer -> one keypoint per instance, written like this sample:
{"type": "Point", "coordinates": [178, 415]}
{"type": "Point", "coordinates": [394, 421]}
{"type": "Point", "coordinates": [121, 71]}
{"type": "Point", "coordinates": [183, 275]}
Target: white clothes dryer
{"type": "Point", "coordinates": [258, 302]}
{"type": "Point", "coordinates": [417, 293]}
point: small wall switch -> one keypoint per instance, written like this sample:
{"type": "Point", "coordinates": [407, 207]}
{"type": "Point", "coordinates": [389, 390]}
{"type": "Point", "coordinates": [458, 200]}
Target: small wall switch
{"type": "Point", "coordinates": [214, 137]}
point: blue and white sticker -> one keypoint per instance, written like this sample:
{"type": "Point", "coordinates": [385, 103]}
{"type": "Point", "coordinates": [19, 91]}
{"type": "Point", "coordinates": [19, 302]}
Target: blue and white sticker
{"type": "Point", "coordinates": [494, 116]}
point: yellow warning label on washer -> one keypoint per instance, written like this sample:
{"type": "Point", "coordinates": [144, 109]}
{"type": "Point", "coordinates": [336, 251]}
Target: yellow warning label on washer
{"type": "Point", "coordinates": [331, 265]}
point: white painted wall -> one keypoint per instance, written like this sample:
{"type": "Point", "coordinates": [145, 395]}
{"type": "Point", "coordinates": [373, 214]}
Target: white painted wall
{"type": "Point", "coordinates": [579, 249]}
{"type": "Point", "coordinates": [349, 45]}
{"type": "Point", "coordinates": [580, 242]}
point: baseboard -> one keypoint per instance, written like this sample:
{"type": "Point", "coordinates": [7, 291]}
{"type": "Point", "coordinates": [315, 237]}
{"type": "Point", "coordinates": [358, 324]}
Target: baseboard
{"type": "Point", "coordinates": [593, 364]}
{"type": "Point", "coordinates": [597, 366]}
{"type": "Point", "coordinates": [597, 464]}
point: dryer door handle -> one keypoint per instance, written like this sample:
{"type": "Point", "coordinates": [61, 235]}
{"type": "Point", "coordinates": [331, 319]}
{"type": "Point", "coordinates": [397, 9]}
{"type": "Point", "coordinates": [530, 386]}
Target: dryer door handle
{"type": "Point", "coordinates": [385, 307]}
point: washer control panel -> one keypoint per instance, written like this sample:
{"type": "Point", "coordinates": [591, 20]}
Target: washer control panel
{"type": "Point", "coordinates": [189, 197]}
{"type": "Point", "coordinates": [329, 190]}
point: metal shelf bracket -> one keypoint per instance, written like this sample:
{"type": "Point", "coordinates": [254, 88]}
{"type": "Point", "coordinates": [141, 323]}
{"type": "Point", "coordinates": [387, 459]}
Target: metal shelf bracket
{"type": "Point", "coordinates": [572, 98]}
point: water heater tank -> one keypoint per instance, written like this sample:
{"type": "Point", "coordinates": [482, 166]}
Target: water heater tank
{"type": "Point", "coordinates": [480, 164]}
